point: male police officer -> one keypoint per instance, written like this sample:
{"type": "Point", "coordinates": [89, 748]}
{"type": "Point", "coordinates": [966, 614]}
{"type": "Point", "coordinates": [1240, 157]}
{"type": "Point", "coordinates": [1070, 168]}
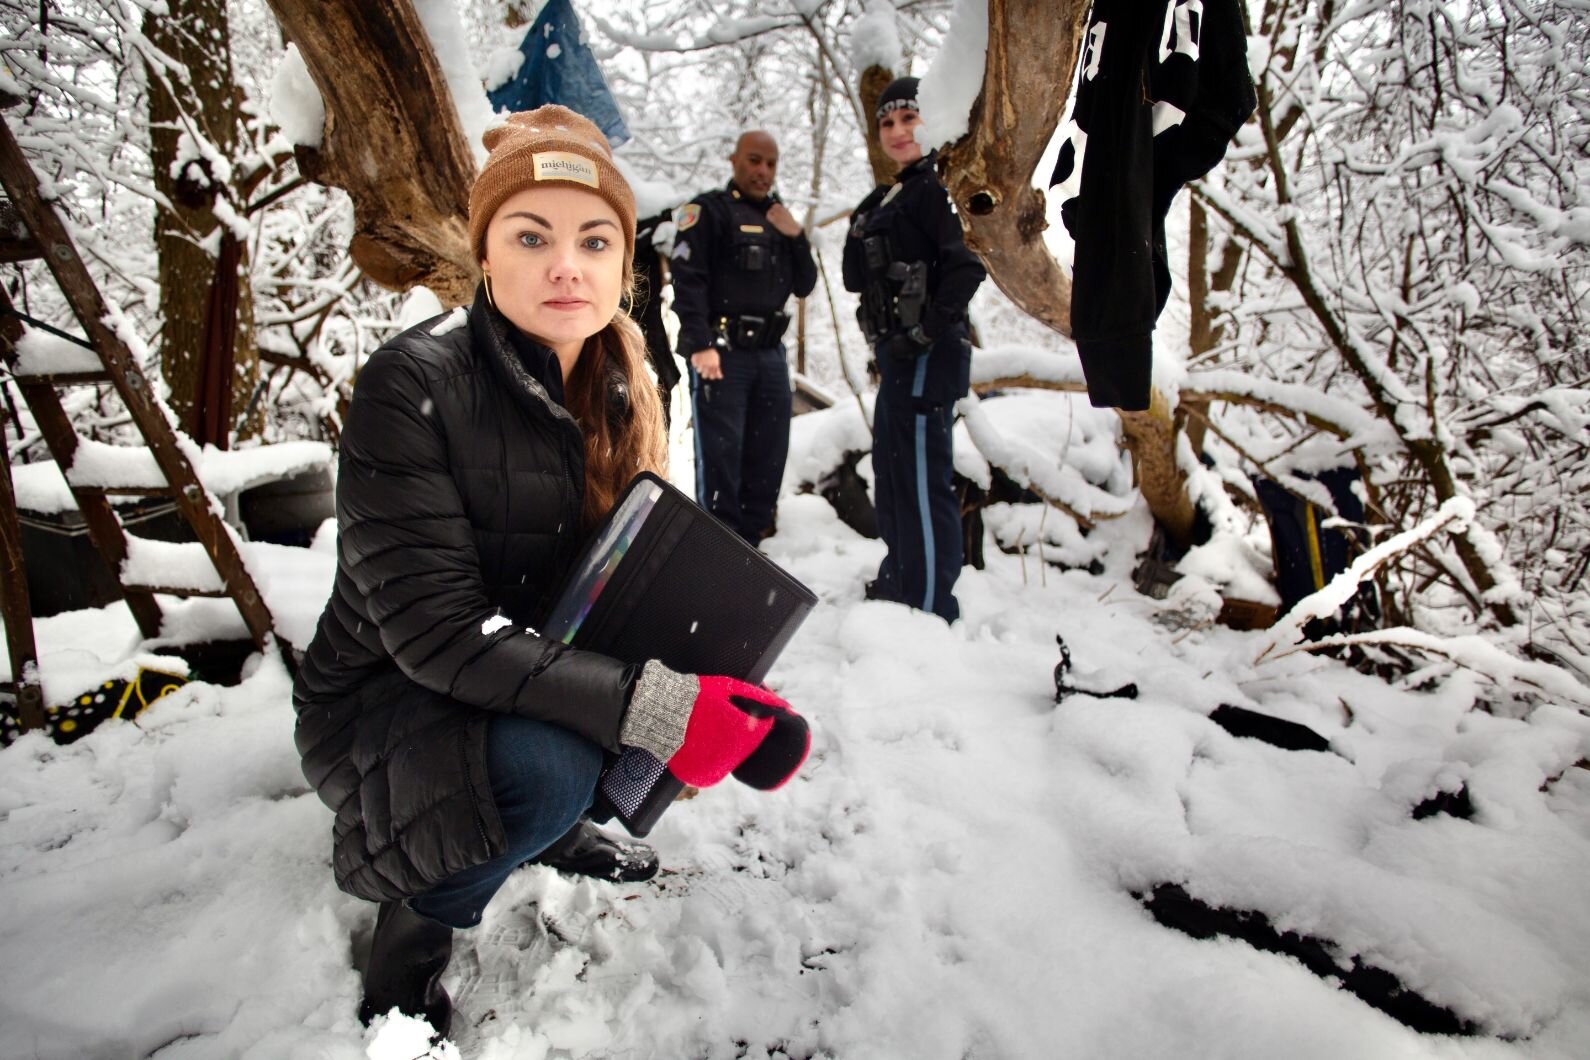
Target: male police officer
{"type": "Point", "coordinates": [737, 257]}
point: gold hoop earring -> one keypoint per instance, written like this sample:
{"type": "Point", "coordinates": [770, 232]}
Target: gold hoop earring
{"type": "Point", "coordinates": [485, 278]}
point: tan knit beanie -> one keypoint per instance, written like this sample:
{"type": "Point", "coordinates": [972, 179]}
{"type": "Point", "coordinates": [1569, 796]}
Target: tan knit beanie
{"type": "Point", "coordinates": [550, 144]}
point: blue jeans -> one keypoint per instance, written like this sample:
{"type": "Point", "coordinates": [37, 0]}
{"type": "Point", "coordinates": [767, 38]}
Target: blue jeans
{"type": "Point", "coordinates": [543, 778]}
{"type": "Point", "coordinates": [742, 437]}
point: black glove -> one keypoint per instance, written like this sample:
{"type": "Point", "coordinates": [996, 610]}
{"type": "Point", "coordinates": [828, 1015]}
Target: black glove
{"type": "Point", "coordinates": [904, 345]}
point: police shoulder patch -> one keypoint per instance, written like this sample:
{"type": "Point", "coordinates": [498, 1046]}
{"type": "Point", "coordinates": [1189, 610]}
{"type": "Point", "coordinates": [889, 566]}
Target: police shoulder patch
{"type": "Point", "coordinates": [687, 215]}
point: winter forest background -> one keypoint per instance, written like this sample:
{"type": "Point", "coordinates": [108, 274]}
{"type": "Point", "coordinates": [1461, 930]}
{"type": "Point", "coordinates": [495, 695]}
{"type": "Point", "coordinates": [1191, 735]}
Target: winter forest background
{"type": "Point", "coordinates": [1387, 273]}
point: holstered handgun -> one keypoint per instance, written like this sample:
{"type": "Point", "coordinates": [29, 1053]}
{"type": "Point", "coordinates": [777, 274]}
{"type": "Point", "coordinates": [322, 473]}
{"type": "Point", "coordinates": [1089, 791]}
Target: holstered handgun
{"type": "Point", "coordinates": [895, 300]}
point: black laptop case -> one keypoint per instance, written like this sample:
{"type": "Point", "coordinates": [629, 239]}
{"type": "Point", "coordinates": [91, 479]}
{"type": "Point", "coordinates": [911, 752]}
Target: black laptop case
{"type": "Point", "coordinates": [663, 579]}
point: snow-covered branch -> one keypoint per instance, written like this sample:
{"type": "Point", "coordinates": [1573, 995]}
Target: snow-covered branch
{"type": "Point", "coordinates": [1453, 517]}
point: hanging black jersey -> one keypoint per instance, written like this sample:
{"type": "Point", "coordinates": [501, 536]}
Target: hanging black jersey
{"type": "Point", "coordinates": [1156, 102]}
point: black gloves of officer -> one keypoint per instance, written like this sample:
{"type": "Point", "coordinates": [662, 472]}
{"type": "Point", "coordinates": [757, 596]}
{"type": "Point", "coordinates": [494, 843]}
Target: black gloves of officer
{"type": "Point", "coordinates": [905, 345]}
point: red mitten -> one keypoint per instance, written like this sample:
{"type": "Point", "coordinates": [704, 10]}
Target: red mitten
{"type": "Point", "coordinates": [740, 727]}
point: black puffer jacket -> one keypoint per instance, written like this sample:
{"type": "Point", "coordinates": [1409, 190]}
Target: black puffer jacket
{"type": "Point", "coordinates": [458, 498]}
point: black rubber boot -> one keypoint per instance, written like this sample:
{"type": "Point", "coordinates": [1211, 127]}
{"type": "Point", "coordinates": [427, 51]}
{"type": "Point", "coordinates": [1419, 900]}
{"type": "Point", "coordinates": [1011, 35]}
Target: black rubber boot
{"type": "Point", "coordinates": [585, 851]}
{"type": "Point", "coordinates": [408, 955]}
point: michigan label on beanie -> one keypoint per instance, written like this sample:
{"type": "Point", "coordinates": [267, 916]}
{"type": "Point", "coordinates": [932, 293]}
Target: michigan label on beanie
{"type": "Point", "coordinates": [565, 165]}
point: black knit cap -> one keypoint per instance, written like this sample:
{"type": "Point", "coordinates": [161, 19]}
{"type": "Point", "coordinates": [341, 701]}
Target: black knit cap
{"type": "Point", "coordinates": [900, 95]}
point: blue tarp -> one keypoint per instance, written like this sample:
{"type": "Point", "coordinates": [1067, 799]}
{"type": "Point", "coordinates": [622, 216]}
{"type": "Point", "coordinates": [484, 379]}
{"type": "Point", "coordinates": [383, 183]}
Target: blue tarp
{"type": "Point", "coordinates": [559, 68]}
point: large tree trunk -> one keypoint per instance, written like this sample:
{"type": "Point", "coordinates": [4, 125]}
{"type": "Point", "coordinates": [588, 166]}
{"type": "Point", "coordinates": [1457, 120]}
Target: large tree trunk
{"type": "Point", "coordinates": [1151, 435]}
{"type": "Point", "coordinates": [1032, 50]}
{"type": "Point", "coordinates": [392, 141]}
{"type": "Point", "coordinates": [207, 343]}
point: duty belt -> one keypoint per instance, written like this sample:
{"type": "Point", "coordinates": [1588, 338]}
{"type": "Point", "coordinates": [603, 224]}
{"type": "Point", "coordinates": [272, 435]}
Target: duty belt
{"type": "Point", "coordinates": [748, 331]}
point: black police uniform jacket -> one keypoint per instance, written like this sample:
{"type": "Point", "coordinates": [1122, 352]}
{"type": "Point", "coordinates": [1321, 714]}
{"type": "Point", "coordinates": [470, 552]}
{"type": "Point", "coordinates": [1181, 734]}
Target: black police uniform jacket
{"type": "Point", "coordinates": [728, 260]}
{"type": "Point", "coordinates": [460, 482]}
{"type": "Point", "coordinates": [915, 215]}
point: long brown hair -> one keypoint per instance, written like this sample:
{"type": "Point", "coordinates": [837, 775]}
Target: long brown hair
{"type": "Point", "coordinates": [623, 425]}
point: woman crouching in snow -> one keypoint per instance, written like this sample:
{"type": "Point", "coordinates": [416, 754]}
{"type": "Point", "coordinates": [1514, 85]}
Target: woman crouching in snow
{"type": "Point", "coordinates": [452, 741]}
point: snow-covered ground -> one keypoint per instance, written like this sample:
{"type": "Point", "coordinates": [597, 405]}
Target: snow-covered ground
{"type": "Point", "coordinates": [952, 875]}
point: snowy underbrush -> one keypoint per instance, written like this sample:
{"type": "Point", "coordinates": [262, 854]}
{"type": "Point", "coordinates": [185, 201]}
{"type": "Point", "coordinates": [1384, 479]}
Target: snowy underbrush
{"type": "Point", "coordinates": [957, 871]}
{"type": "Point", "coordinates": [963, 868]}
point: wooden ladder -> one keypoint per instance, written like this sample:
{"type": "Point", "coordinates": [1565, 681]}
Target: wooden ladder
{"type": "Point", "coordinates": [121, 369]}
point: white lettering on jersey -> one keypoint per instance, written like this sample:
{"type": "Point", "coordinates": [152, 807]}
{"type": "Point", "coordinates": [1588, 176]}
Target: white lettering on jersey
{"type": "Point", "coordinates": [1184, 24]}
{"type": "Point", "coordinates": [1093, 50]}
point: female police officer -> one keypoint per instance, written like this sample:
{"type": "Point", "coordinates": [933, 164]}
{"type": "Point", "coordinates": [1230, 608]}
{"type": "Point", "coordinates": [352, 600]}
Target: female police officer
{"type": "Point", "coordinates": [452, 740]}
{"type": "Point", "coordinates": [906, 257]}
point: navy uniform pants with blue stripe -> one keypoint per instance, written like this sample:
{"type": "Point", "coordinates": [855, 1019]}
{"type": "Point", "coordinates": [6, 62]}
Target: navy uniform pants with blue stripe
{"type": "Point", "coordinates": [742, 437]}
{"type": "Point", "coordinates": [919, 514]}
